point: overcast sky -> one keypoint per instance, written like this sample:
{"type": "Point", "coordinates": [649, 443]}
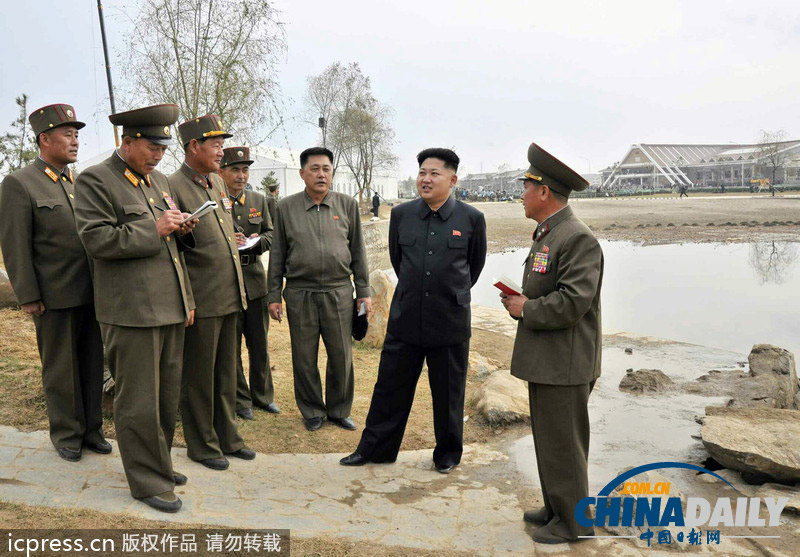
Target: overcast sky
{"type": "Point", "coordinates": [583, 79]}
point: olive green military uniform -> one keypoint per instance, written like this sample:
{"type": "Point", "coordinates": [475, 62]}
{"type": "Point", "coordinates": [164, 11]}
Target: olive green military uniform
{"type": "Point", "coordinates": [317, 248]}
{"type": "Point", "coordinates": [46, 262]}
{"type": "Point", "coordinates": [558, 343]}
{"type": "Point", "coordinates": [208, 391]}
{"type": "Point", "coordinates": [251, 216]}
{"type": "Point", "coordinates": [272, 205]}
{"type": "Point", "coordinates": [142, 298]}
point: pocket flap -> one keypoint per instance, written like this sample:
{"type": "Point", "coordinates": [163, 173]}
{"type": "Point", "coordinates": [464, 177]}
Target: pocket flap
{"type": "Point", "coordinates": [463, 298]}
{"type": "Point", "coordinates": [457, 242]}
{"type": "Point", "coordinates": [406, 240]}
{"type": "Point", "coordinates": [135, 209]}
{"type": "Point", "coordinates": [49, 203]}
{"type": "Point", "coordinates": [256, 220]}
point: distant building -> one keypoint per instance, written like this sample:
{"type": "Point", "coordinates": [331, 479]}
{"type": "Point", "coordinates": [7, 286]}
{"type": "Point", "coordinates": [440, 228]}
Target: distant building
{"type": "Point", "coordinates": [507, 181]}
{"type": "Point", "coordinates": [660, 166]}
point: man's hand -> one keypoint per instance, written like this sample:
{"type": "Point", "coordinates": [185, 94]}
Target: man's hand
{"type": "Point", "coordinates": [33, 308]}
{"type": "Point", "coordinates": [187, 226]}
{"type": "Point", "coordinates": [169, 222]}
{"type": "Point", "coordinates": [241, 239]}
{"type": "Point", "coordinates": [366, 301]}
{"type": "Point", "coordinates": [276, 311]}
{"type": "Point", "coordinates": [514, 304]}
{"type": "Point", "coordinates": [189, 322]}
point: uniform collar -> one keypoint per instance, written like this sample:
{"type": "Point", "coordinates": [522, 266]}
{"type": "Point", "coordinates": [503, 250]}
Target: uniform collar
{"type": "Point", "coordinates": [308, 203]}
{"type": "Point", "coordinates": [200, 179]}
{"type": "Point", "coordinates": [238, 198]}
{"type": "Point", "coordinates": [552, 221]}
{"type": "Point", "coordinates": [53, 173]}
{"type": "Point", "coordinates": [444, 211]}
{"type": "Point", "coordinates": [130, 174]}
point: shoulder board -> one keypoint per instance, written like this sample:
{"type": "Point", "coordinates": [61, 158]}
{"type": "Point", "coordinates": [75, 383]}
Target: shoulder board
{"type": "Point", "coordinates": [131, 177]}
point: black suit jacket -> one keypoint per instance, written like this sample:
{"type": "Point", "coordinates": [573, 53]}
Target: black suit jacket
{"type": "Point", "coordinates": [438, 257]}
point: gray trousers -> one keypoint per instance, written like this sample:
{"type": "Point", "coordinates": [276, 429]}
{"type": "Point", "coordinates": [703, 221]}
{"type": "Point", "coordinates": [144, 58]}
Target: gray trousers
{"type": "Point", "coordinates": [71, 351]}
{"type": "Point", "coordinates": [560, 424]}
{"type": "Point", "coordinates": [329, 315]}
{"type": "Point", "coordinates": [208, 388]}
{"type": "Point", "coordinates": [146, 365]}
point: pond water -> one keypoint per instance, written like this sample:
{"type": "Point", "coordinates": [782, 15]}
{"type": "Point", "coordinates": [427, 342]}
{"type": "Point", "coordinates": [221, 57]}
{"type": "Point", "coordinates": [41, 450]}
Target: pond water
{"type": "Point", "coordinates": [728, 296]}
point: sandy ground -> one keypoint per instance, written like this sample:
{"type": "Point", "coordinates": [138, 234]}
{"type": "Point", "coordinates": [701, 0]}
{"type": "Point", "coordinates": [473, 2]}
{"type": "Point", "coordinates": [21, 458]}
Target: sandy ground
{"type": "Point", "coordinates": [660, 220]}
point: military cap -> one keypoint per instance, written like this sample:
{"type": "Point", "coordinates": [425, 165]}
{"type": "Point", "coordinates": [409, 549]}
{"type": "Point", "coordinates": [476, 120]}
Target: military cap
{"type": "Point", "coordinates": [236, 155]}
{"type": "Point", "coordinates": [548, 170]}
{"type": "Point", "coordinates": [53, 116]}
{"type": "Point", "coordinates": [150, 122]}
{"type": "Point", "coordinates": [273, 187]}
{"type": "Point", "coordinates": [202, 127]}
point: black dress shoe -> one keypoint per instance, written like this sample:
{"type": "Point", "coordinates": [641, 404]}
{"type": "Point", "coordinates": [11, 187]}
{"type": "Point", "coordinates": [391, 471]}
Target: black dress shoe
{"type": "Point", "coordinates": [166, 502]}
{"type": "Point", "coordinates": [245, 414]}
{"type": "Point", "coordinates": [179, 478]}
{"type": "Point", "coordinates": [445, 469]}
{"type": "Point", "coordinates": [312, 424]}
{"type": "Point", "coordinates": [538, 516]}
{"type": "Point", "coordinates": [103, 447]}
{"type": "Point", "coordinates": [272, 408]}
{"type": "Point", "coordinates": [546, 535]}
{"type": "Point", "coordinates": [215, 463]}
{"type": "Point", "coordinates": [355, 459]}
{"type": "Point", "coordinates": [344, 423]}
{"type": "Point", "coordinates": [69, 454]}
{"type": "Point", "coordinates": [244, 454]}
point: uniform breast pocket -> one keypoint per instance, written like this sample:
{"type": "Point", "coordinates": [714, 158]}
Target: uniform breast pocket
{"type": "Point", "coordinates": [255, 220]}
{"type": "Point", "coordinates": [134, 212]}
{"type": "Point", "coordinates": [50, 204]}
{"type": "Point", "coordinates": [406, 240]}
{"type": "Point", "coordinates": [457, 242]}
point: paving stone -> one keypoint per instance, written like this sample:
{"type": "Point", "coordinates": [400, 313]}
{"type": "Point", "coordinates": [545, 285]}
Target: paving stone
{"type": "Point", "coordinates": [8, 454]}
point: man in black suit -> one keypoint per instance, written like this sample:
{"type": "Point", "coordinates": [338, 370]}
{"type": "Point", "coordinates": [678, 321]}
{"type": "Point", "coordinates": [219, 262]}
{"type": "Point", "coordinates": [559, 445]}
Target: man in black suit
{"type": "Point", "coordinates": [438, 248]}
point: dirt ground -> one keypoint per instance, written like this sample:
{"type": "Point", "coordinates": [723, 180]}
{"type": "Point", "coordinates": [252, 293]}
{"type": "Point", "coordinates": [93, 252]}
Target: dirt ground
{"type": "Point", "coordinates": [663, 220]}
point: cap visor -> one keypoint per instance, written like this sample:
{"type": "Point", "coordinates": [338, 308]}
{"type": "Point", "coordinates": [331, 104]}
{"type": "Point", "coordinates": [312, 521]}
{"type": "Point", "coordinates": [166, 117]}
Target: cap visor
{"type": "Point", "coordinates": [160, 140]}
{"type": "Point", "coordinates": [75, 124]}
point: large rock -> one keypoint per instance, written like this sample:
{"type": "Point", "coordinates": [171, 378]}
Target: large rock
{"type": "Point", "coordinates": [480, 366]}
{"type": "Point", "coordinates": [502, 399]}
{"type": "Point", "coordinates": [7, 297]}
{"type": "Point", "coordinates": [755, 441]}
{"type": "Point", "coordinates": [382, 292]}
{"type": "Point", "coordinates": [771, 382]}
{"type": "Point", "coordinates": [645, 381]}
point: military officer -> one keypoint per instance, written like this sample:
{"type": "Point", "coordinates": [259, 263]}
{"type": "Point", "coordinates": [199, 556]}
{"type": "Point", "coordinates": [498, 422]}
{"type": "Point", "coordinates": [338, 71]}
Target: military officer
{"type": "Point", "coordinates": [437, 246]}
{"type": "Point", "coordinates": [316, 245]}
{"type": "Point", "coordinates": [558, 343]}
{"type": "Point", "coordinates": [208, 388]}
{"type": "Point", "coordinates": [132, 229]}
{"type": "Point", "coordinates": [51, 277]}
{"type": "Point", "coordinates": [251, 220]}
{"type": "Point", "coordinates": [272, 201]}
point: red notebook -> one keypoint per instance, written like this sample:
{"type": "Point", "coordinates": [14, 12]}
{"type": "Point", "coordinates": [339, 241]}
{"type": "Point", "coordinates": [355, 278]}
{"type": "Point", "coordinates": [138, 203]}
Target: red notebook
{"type": "Point", "coordinates": [508, 286]}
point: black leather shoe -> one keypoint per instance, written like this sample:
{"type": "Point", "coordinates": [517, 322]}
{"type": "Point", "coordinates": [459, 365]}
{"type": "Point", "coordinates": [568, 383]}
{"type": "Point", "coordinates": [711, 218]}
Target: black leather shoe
{"type": "Point", "coordinates": [244, 454]}
{"type": "Point", "coordinates": [215, 463]}
{"type": "Point", "coordinates": [445, 469]}
{"type": "Point", "coordinates": [245, 414]}
{"type": "Point", "coordinates": [166, 502]}
{"type": "Point", "coordinates": [538, 516]}
{"type": "Point", "coordinates": [103, 447]}
{"type": "Point", "coordinates": [344, 423]}
{"type": "Point", "coordinates": [313, 424]}
{"type": "Point", "coordinates": [355, 459]}
{"type": "Point", "coordinates": [179, 478]}
{"type": "Point", "coordinates": [69, 454]}
{"type": "Point", "coordinates": [272, 408]}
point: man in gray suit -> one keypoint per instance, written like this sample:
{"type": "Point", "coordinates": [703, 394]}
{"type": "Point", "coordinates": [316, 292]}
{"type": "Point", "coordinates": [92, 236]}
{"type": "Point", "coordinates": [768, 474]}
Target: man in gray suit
{"type": "Point", "coordinates": [558, 343]}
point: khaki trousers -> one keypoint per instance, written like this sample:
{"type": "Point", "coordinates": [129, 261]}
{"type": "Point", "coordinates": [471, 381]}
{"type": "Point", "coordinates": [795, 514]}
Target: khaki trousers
{"type": "Point", "coordinates": [208, 388]}
{"type": "Point", "coordinates": [146, 365]}
{"type": "Point", "coordinates": [71, 350]}
{"type": "Point", "coordinates": [330, 315]}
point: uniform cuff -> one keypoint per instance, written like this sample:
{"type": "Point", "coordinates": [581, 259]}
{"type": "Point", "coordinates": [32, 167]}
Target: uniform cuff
{"type": "Point", "coordinates": [364, 292]}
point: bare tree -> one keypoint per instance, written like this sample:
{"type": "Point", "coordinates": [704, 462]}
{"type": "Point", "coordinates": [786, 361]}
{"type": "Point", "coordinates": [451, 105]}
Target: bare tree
{"type": "Point", "coordinates": [772, 260]}
{"type": "Point", "coordinates": [18, 147]}
{"type": "Point", "coordinates": [358, 127]}
{"type": "Point", "coordinates": [209, 57]}
{"type": "Point", "coordinates": [770, 150]}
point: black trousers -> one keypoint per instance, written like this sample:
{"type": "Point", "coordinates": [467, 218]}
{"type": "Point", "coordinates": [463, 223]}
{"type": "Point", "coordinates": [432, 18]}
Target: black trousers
{"type": "Point", "coordinates": [399, 371]}
{"type": "Point", "coordinates": [253, 323]}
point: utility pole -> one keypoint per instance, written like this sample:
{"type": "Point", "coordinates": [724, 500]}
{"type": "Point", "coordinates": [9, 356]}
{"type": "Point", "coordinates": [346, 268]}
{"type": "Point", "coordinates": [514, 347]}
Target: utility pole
{"type": "Point", "coordinates": [108, 67]}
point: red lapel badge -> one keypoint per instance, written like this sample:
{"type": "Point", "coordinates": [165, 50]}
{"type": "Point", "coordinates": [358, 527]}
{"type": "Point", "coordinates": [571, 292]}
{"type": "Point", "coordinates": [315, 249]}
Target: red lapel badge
{"type": "Point", "coordinates": [456, 233]}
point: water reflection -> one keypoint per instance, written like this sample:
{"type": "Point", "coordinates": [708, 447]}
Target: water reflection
{"type": "Point", "coordinates": [773, 261]}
